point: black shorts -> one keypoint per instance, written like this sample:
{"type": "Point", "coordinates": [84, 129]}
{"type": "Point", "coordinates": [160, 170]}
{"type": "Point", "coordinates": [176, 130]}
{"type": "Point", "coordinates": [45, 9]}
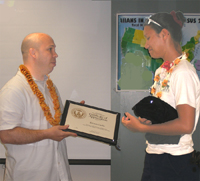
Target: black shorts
{"type": "Point", "coordinates": [166, 167]}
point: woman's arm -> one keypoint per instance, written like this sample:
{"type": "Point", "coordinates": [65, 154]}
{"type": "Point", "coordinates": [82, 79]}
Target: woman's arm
{"type": "Point", "coordinates": [184, 124]}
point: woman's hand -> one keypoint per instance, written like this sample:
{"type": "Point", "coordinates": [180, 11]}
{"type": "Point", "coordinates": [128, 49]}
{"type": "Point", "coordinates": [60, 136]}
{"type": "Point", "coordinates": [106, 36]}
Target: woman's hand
{"type": "Point", "coordinates": [144, 121]}
{"type": "Point", "coordinates": [134, 124]}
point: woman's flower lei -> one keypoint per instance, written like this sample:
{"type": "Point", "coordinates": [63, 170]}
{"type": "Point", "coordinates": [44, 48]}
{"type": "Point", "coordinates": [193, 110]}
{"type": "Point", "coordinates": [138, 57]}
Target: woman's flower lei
{"type": "Point", "coordinates": [162, 78]}
{"type": "Point", "coordinates": [53, 121]}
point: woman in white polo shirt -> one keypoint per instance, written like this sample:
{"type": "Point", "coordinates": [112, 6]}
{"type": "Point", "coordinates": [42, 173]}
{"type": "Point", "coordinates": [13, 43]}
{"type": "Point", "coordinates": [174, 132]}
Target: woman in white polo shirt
{"type": "Point", "coordinates": [176, 82]}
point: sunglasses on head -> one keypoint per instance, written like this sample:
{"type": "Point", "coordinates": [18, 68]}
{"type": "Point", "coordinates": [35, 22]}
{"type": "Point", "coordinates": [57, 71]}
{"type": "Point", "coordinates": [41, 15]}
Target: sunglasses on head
{"type": "Point", "coordinates": [148, 21]}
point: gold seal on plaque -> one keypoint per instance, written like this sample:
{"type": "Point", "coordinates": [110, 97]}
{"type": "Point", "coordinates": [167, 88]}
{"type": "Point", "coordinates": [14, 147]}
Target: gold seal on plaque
{"type": "Point", "coordinates": [78, 113]}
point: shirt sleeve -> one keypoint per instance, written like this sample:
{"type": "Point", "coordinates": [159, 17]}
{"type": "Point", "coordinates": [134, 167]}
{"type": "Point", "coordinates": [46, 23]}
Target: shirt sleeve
{"type": "Point", "coordinates": [184, 85]}
{"type": "Point", "coordinates": [11, 108]}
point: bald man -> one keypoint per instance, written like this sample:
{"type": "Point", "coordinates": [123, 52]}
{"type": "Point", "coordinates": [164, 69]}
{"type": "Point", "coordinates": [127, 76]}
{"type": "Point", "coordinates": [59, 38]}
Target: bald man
{"type": "Point", "coordinates": [29, 117]}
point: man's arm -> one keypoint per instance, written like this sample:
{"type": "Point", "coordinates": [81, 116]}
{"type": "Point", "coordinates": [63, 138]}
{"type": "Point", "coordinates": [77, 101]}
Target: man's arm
{"type": "Point", "coordinates": [19, 135]}
{"type": "Point", "coordinates": [184, 124]}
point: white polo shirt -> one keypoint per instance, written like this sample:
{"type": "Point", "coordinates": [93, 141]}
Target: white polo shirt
{"type": "Point", "coordinates": [45, 160]}
{"type": "Point", "coordinates": [184, 88]}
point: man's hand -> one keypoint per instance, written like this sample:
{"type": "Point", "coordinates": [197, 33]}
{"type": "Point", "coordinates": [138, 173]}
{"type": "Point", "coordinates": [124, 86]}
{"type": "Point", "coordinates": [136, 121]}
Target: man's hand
{"type": "Point", "coordinates": [82, 102]}
{"type": "Point", "coordinates": [21, 135]}
{"type": "Point", "coordinates": [56, 133]}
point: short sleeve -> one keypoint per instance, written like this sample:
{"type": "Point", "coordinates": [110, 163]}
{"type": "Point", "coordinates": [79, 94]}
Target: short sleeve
{"type": "Point", "coordinates": [11, 108]}
{"type": "Point", "coordinates": [184, 86]}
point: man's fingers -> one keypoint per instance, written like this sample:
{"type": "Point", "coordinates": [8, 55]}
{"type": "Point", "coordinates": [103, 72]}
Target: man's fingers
{"type": "Point", "coordinates": [82, 102]}
{"type": "Point", "coordinates": [71, 134]}
{"type": "Point", "coordinates": [64, 127]}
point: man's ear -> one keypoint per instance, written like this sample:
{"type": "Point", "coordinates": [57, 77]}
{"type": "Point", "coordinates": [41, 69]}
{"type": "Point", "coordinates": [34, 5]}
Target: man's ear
{"type": "Point", "coordinates": [32, 52]}
{"type": "Point", "coordinates": [165, 33]}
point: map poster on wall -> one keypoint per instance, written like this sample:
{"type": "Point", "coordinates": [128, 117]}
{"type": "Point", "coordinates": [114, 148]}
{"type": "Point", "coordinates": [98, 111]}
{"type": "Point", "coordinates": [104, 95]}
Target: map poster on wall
{"type": "Point", "coordinates": [135, 67]}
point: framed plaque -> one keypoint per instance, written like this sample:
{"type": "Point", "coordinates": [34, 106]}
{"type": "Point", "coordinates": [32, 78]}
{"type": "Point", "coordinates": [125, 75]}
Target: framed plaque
{"type": "Point", "coordinates": [91, 122]}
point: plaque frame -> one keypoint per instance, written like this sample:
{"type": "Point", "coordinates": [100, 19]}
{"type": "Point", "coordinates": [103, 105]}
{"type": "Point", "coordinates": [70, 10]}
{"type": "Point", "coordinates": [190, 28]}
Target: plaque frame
{"type": "Point", "coordinates": [106, 140]}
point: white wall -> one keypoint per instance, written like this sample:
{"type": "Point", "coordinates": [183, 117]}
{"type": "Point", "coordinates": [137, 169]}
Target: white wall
{"type": "Point", "coordinates": [1, 172]}
{"type": "Point", "coordinates": [82, 172]}
{"type": "Point", "coordinates": [81, 30]}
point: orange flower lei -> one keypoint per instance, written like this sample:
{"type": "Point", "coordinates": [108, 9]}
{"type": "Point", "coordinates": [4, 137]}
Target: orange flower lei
{"type": "Point", "coordinates": [161, 84]}
{"type": "Point", "coordinates": [53, 121]}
